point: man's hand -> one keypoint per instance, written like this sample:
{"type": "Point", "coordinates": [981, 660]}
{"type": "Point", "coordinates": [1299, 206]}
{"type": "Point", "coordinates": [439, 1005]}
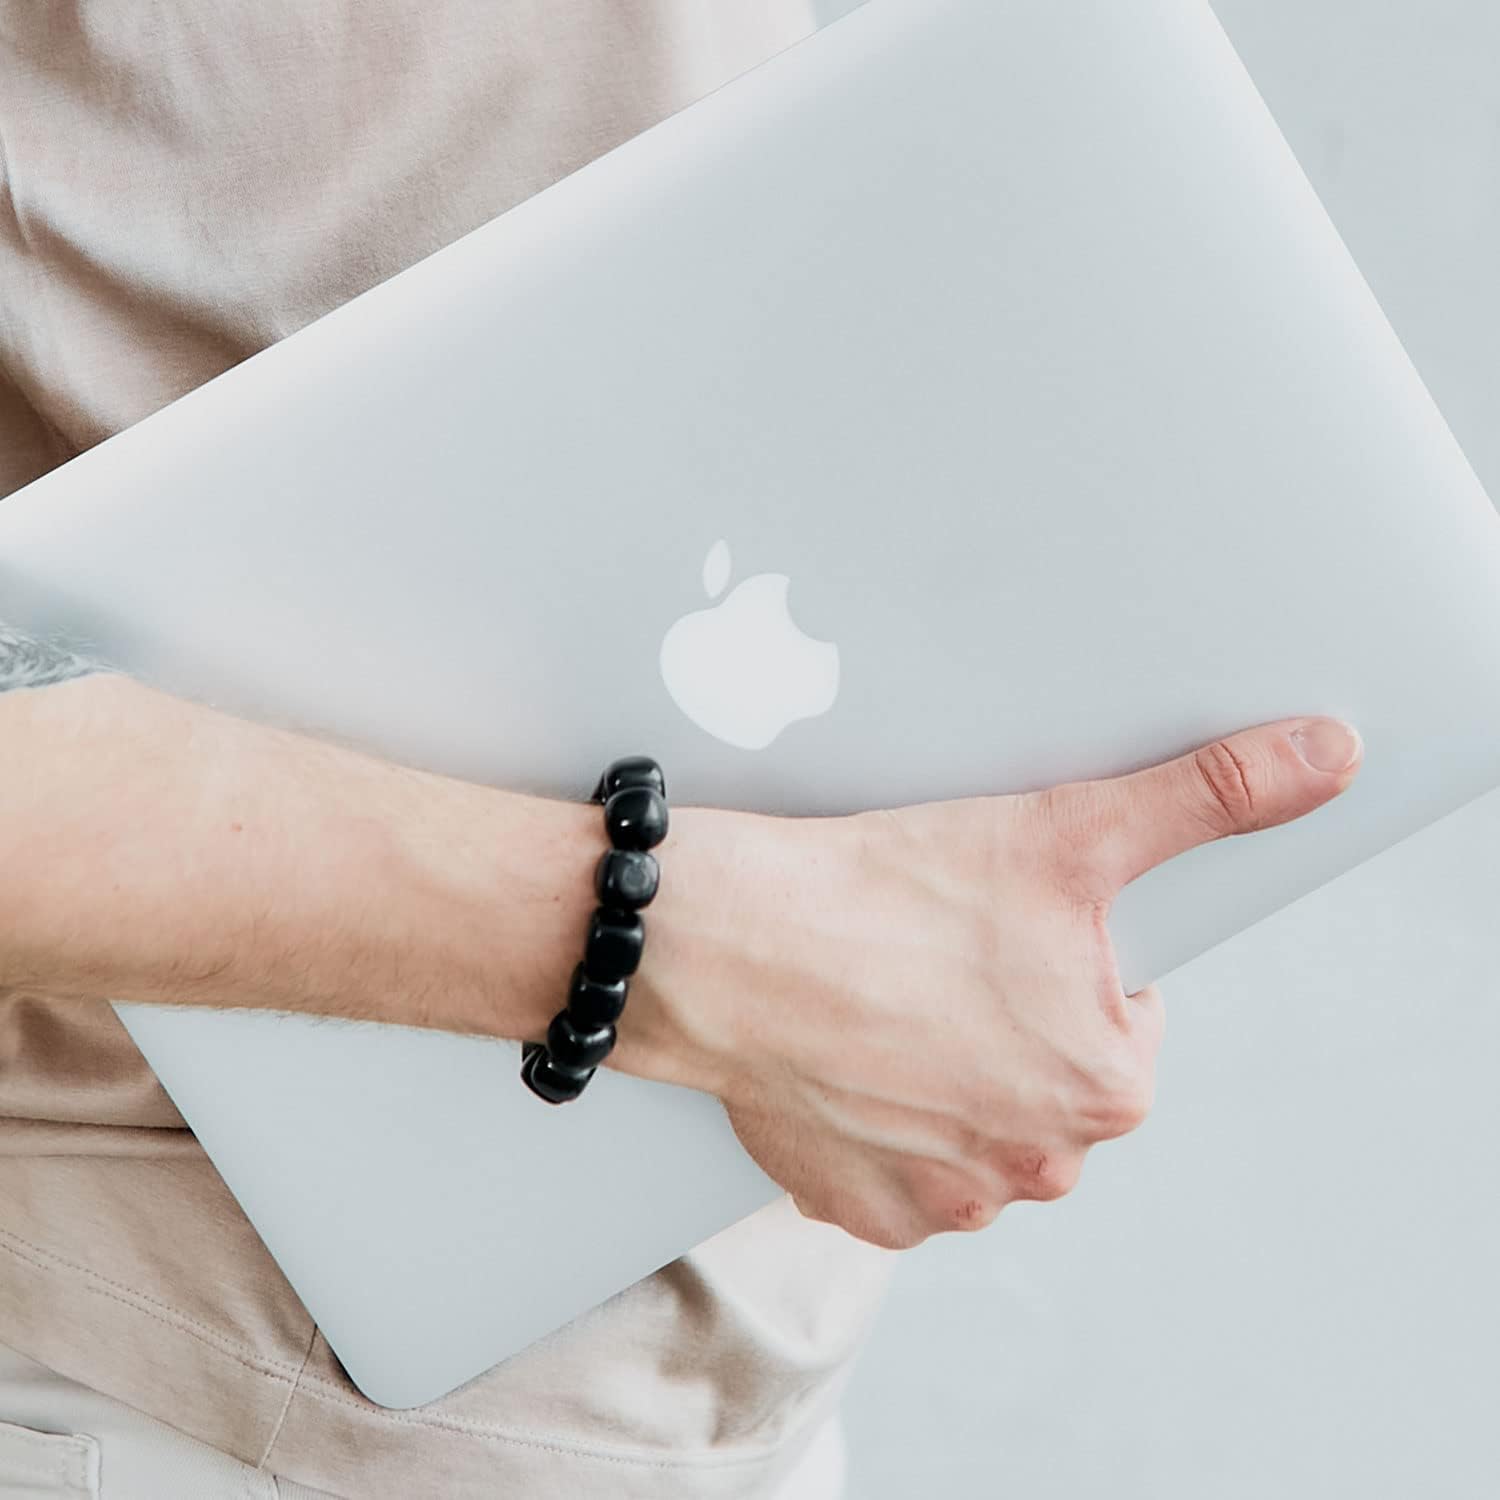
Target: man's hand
{"type": "Point", "coordinates": [915, 1017]}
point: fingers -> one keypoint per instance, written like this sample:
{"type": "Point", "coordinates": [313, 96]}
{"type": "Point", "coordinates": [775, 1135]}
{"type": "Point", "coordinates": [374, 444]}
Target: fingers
{"type": "Point", "coordinates": [1112, 831]}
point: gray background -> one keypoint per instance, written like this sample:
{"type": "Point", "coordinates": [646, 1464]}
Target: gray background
{"type": "Point", "coordinates": [1285, 1283]}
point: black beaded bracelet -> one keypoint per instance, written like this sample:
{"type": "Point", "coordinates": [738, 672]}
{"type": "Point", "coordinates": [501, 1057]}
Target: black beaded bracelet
{"type": "Point", "coordinates": [582, 1033]}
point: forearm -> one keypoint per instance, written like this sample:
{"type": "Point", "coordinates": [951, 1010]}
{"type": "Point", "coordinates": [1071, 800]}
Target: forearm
{"type": "Point", "coordinates": [154, 849]}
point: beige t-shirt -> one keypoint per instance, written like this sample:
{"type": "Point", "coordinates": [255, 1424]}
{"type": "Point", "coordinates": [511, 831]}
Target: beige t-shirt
{"type": "Point", "coordinates": [181, 184]}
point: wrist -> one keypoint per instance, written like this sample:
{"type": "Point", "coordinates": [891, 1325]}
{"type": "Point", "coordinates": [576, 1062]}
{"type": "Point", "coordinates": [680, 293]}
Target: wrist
{"type": "Point", "coordinates": [702, 1005]}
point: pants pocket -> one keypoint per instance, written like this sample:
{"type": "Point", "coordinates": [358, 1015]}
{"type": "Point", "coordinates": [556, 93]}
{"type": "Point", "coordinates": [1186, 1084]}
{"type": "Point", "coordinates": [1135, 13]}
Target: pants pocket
{"type": "Point", "coordinates": [47, 1465]}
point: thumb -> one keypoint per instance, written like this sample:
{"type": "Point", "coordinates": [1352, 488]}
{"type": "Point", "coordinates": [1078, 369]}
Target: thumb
{"type": "Point", "coordinates": [1121, 827]}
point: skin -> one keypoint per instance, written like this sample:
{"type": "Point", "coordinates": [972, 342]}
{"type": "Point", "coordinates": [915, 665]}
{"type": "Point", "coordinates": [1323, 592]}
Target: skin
{"type": "Point", "coordinates": [912, 1016]}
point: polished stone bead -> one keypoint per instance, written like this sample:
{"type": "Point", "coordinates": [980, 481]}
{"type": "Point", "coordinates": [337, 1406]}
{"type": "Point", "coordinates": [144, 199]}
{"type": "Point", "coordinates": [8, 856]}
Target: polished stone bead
{"type": "Point", "coordinates": [573, 1046]}
{"type": "Point", "coordinates": [557, 1085]}
{"type": "Point", "coordinates": [635, 817]}
{"type": "Point", "coordinates": [614, 944]}
{"type": "Point", "coordinates": [592, 1002]}
{"type": "Point", "coordinates": [632, 770]}
{"type": "Point", "coordinates": [626, 879]}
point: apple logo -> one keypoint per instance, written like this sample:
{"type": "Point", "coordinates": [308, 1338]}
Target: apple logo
{"type": "Point", "coordinates": [742, 671]}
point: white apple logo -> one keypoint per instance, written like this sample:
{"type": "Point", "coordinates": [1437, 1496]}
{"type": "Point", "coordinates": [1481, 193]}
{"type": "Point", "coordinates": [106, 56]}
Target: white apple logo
{"type": "Point", "coordinates": [742, 671]}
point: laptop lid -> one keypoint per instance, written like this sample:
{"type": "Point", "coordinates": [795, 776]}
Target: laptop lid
{"type": "Point", "coordinates": [1008, 332]}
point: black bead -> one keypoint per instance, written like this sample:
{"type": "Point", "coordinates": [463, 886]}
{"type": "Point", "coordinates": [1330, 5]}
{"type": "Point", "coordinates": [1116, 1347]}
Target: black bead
{"type": "Point", "coordinates": [626, 879]}
{"type": "Point", "coordinates": [613, 948]}
{"type": "Point", "coordinates": [635, 817]}
{"type": "Point", "coordinates": [593, 1003]}
{"type": "Point", "coordinates": [572, 1046]}
{"type": "Point", "coordinates": [557, 1085]}
{"type": "Point", "coordinates": [633, 770]}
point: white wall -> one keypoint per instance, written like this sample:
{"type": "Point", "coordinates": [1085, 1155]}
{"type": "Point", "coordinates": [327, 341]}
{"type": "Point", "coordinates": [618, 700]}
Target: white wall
{"type": "Point", "coordinates": [1285, 1284]}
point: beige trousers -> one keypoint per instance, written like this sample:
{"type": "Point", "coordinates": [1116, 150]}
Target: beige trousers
{"type": "Point", "coordinates": [59, 1440]}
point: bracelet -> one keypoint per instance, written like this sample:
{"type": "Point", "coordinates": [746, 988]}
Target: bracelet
{"type": "Point", "coordinates": [582, 1033]}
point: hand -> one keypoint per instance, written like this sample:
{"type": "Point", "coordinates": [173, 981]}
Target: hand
{"type": "Point", "coordinates": [912, 1017]}
{"type": "Point", "coordinates": [915, 1017]}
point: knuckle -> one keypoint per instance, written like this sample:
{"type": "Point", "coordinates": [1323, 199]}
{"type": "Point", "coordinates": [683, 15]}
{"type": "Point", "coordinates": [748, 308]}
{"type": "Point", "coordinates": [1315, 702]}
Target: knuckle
{"type": "Point", "coordinates": [1121, 1106]}
{"type": "Point", "coordinates": [1045, 1176]}
{"type": "Point", "coordinates": [1111, 1092]}
{"type": "Point", "coordinates": [947, 1201]}
{"type": "Point", "coordinates": [966, 1215]}
{"type": "Point", "coordinates": [1226, 777]}
{"type": "Point", "coordinates": [1132, 1108]}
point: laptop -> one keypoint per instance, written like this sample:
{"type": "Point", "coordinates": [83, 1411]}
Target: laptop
{"type": "Point", "coordinates": [972, 398]}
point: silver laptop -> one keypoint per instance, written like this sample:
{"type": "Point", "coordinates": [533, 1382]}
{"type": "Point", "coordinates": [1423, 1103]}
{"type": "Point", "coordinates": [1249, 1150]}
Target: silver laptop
{"type": "Point", "coordinates": [974, 397]}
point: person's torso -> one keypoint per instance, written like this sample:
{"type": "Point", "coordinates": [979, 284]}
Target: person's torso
{"type": "Point", "coordinates": [180, 186]}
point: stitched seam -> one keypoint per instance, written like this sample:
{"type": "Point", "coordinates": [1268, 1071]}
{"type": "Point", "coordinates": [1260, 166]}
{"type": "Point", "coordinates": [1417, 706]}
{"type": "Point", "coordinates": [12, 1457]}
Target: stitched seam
{"type": "Point", "coordinates": [23, 1470]}
{"type": "Point", "coordinates": [45, 1457]}
{"type": "Point", "coordinates": [79, 1465]}
{"type": "Point", "coordinates": [286, 1405]}
{"type": "Point", "coordinates": [140, 1302]}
